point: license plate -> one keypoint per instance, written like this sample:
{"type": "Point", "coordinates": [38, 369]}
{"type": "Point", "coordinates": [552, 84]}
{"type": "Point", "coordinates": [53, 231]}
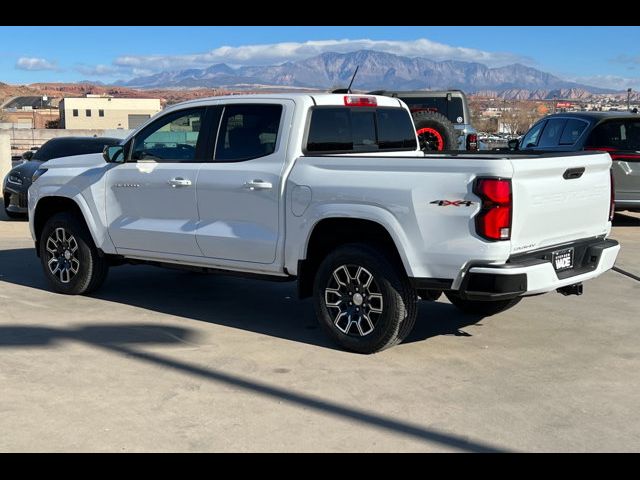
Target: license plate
{"type": "Point", "coordinates": [562, 259]}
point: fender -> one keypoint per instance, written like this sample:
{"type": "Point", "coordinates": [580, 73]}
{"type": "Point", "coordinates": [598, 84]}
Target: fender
{"type": "Point", "coordinates": [300, 230]}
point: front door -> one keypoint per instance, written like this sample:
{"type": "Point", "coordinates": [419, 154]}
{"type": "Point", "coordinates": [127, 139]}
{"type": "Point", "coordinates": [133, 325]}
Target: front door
{"type": "Point", "coordinates": [151, 199]}
{"type": "Point", "coordinates": [239, 192]}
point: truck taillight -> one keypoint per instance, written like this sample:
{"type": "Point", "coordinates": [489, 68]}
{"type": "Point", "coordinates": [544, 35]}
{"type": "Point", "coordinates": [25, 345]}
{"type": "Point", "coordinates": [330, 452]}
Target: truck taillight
{"type": "Point", "coordinates": [472, 142]}
{"type": "Point", "coordinates": [612, 202]}
{"type": "Point", "coordinates": [493, 222]}
{"type": "Point", "coordinates": [360, 101]}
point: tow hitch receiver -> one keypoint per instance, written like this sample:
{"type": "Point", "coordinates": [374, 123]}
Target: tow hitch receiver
{"type": "Point", "coordinates": [575, 289]}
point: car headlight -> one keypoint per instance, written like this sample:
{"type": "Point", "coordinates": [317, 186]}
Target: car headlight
{"type": "Point", "coordinates": [38, 173]}
{"type": "Point", "coordinates": [16, 180]}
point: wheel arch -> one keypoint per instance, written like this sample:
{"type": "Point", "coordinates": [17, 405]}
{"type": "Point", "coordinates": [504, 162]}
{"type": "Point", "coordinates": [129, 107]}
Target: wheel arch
{"type": "Point", "coordinates": [50, 205]}
{"type": "Point", "coordinates": [322, 238]}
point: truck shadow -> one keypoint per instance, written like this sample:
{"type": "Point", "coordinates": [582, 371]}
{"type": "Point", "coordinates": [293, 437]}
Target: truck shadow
{"type": "Point", "coordinates": [269, 308]}
{"type": "Point", "coordinates": [622, 220]}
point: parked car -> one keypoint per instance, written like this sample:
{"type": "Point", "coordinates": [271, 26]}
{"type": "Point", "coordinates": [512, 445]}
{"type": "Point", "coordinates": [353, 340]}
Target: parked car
{"type": "Point", "coordinates": [334, 192]}
{"type": "Point", "coordinates": [17, 182]}
{"type": "Point", "coordinates": [442, 118]}
{"type": "Point", "coordinates": [615, 132]}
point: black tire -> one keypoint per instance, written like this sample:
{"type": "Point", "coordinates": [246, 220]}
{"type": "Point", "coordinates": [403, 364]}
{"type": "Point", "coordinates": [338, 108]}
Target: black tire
{"type": "Point", "coordinates": [72, 244]}
{"type": "Point", "coordinates": [435, 131]}
{"type": "Point", "coordinates": [484, 308]}
{"type": "Point", "coordinates": [389, 291]}
{"type": "Point", "coordinates": [11, 214]}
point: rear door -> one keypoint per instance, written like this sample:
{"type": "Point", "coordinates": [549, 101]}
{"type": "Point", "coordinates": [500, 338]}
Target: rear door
{"type": "Point", "coordinates": [239, 192]}
{"type": "Point", "coordinates": [559, 198]}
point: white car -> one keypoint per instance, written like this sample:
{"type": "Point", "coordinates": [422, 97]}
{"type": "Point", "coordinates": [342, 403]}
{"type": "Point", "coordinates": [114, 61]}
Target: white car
{"type": "Point", "coordinates": [332, 191]}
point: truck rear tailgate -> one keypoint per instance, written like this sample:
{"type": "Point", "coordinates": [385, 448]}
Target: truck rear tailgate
{"type": "Point", "coordinates": [558, 199]}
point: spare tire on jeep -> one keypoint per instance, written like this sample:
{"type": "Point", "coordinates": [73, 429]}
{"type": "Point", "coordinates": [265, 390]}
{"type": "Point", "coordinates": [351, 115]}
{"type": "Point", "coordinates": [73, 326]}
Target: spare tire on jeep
{"type": "Point", "coordinates": [435, 131]}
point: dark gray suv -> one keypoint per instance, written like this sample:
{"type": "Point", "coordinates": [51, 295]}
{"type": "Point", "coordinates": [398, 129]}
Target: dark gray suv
{"type": "Point", "coordinates": [615, 132]}
{"type": "Point", "coordinates": [18, 180]}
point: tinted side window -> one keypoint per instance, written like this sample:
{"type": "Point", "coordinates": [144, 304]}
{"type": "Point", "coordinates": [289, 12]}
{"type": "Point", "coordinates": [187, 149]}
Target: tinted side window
{"type": "Point", "coordinates": [341, 129]}
{"type": "Point", "coordinates": [172, 138]}
{"type": "Point", "coordinates": [452, 109]}
{"type": "Point", "coordinates": [618, 134]}
{"type": "Point", "coordinates": [572, 131]}
{"type": "Point", "coordinates": [247, 132]}
{"type": "Point", "coordinates": [551, 133]}
{"type": "Point", "coordinates": [530, 140]}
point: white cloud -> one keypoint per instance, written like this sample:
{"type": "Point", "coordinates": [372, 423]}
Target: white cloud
{"type": "Point", "coordinates": [613, 82]}
{"type": "Point", "coordinates": [34, 63]}
{"type": "Point", "coordinates": [267, 54]}
{"type": "Point", "coordinates": [97, 70]}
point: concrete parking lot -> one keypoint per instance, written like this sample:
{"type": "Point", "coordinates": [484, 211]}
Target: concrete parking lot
{"type": "Point", "coordinates": [163, 360]}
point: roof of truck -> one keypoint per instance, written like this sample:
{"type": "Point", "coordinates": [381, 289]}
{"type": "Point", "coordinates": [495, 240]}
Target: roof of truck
{"type": "Point", "coordinates": [317, 98]}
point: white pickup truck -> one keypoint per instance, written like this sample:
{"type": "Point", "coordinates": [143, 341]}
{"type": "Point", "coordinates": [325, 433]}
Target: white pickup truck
{"type": "Point", "coordinates": [332, 191]}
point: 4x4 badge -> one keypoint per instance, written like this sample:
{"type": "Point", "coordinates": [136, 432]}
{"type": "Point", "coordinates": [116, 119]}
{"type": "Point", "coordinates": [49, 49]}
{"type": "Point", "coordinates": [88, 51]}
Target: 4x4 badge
{"type": "Point", "coordinates": [452, 203]}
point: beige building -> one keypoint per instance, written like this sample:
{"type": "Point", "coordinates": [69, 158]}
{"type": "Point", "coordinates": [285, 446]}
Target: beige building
{"type": "Point", "coordinates": [98, 112]}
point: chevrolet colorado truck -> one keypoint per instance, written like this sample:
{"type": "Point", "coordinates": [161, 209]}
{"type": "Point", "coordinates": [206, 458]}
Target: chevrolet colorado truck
{"type": "Point", "coordinates": [332, 191]}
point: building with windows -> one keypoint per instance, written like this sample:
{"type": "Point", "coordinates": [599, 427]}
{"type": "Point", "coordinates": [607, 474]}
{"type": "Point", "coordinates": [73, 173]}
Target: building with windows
{"type": "Point", "coordinates": [96, 112]}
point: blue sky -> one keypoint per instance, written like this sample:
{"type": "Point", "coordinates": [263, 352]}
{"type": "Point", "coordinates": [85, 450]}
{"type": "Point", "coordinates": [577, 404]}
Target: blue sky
{"type": "Point", "coordinates": [600, 56]}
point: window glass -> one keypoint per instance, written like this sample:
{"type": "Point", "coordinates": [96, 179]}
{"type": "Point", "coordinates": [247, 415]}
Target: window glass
{"type": "Point", "coordinates": [67, 147]}
{"type": "Point", "coordinates": [247, 132]}
{"type": "Point", "coordinates": [572, 131]}
{"type": "Point", "coordinates": [75, 112]}
{"type": "Point", "coordinates": [452, 109]}
{"type": "Point", "coordinates": [395, 129]}
{"type": "Point", "coordinates": [343, 129]}
{"type": "Point", "coordinates": [88, 112]}
{"type": "Point", "coordinates": [101, 113]}
{"type": "Point", "coordinates": [530, 140]}
{"type": "Point", "coordinates": [551, 133]}
{"type": "Point", "coordinates": [620, 134]}
{"type": "Point", "coordinates": [173, 137]}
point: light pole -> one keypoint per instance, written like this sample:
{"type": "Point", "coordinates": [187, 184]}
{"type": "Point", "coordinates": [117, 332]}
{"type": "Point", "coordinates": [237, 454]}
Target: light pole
{"type": "Point", "coordinates": [555, 103]}
{"type": "Point", "coordinates": [628, 99]}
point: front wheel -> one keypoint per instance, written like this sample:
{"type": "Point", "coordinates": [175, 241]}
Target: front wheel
{"type": "Point", "coordinates": [69, 257]}
{"type": "Point", "coordinates": [484, 308]}
{"type": "Point", "coordinates": [363, 300]}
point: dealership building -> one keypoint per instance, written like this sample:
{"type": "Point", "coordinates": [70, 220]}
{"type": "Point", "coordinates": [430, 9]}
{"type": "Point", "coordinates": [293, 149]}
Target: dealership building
{"type": "Point", "coordinates": [96, 112]}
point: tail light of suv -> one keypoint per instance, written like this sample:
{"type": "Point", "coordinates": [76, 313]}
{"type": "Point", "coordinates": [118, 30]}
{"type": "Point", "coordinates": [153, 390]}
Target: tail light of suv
{"type": "Point", "coordinates": [472, 142]}
{"type": "Point", "coordinates": [493, 222]}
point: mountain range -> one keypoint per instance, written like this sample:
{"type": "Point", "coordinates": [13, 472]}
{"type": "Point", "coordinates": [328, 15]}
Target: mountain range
{"type": "Point", "coordinates": [377, 70]}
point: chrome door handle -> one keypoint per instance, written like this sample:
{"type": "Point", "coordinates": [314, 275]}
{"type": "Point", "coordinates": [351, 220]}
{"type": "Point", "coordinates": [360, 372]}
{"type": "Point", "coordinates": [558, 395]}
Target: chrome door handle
{"type": "Point", "coordinates": [179, 182]}
{"type": "Point", "coordinates": [258, 185]}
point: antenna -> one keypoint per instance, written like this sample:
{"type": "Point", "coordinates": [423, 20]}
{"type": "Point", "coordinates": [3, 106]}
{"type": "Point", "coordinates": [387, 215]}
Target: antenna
{"type": "Point", "coordinates": [352, 79]}
{"type": "Point", "coordinates": [348, 89]}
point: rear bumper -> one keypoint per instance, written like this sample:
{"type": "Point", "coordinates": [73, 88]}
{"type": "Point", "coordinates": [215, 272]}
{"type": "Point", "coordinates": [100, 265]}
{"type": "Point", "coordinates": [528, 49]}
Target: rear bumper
{"type": "Point", "coordinates": [533, 273]}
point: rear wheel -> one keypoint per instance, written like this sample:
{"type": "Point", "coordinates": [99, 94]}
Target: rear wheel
{"type": "Point", "coordinates": [435, 132]}
{"type": "Point", "coordinates": [69, 257]}
{"type": "Point", "coordinates": [484, 308]}
{"type": "Point", "coordinates": [362, 300]}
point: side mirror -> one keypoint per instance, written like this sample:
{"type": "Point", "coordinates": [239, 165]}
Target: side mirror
{"type": "Point", "coordinates": [513, 144]}
{"type": "Point", "coordinates": [27, 155]}
{"type": "Point", "coordinates": [113, 154]}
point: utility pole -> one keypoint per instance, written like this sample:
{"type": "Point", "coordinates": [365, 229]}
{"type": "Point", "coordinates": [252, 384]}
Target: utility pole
{"type": "Point", "coordinates": [555, 103]}
{"type": "Point", "coordinates": [628, 99]}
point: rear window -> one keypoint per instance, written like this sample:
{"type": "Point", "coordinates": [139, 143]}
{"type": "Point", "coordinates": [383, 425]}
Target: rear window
{"type": "Point", "coordinates": [66, 147]}
{"type": "Point", "coordinates": [619, 134]}
{"type": "Point", "coordinates": [452, 109]}
{"type": "Point", "coordinates": [341, 129]}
